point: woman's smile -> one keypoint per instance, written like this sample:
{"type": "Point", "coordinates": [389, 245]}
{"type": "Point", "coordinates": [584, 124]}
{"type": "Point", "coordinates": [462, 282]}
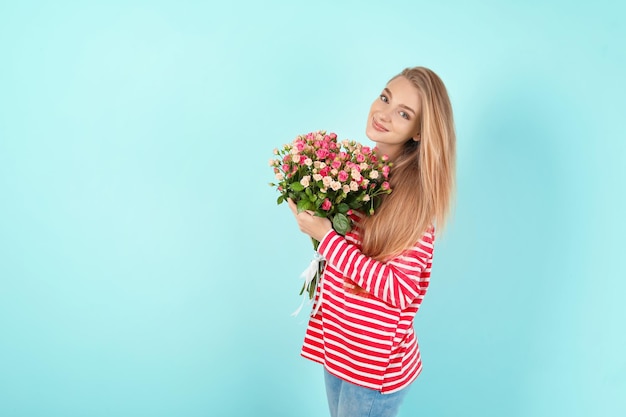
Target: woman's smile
{"type": "Point", "coordinates": [378, 126]}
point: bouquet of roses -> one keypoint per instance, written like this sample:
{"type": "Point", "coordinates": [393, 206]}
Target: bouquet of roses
{"type": "Point", "coordinates": [332, 179]}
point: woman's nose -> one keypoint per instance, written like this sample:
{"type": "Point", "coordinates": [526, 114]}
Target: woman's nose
{"type": "Point", "coordinates": [384, 115]}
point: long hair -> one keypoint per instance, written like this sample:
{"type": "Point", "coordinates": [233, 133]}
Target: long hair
{"type": "Point", "coordinates": [422, 177]}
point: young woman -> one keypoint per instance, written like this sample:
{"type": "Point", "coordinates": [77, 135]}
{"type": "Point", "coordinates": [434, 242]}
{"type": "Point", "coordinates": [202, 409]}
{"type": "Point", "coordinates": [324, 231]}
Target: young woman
{"type": "Point", "coordinates": [376, 276]}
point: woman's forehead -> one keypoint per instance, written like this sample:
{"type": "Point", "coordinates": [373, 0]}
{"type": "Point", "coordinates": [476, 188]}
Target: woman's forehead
{"type": "Point", "coordinates": [404, 92]}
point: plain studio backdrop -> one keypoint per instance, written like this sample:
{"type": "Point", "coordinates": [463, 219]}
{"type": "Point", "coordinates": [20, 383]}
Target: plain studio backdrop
{"type": "Point", "coordinates": [146, 270]}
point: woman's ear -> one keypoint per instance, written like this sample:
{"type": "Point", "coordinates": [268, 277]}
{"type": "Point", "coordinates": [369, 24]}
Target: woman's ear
{"type": "Point", "coordinates": [417, 137]}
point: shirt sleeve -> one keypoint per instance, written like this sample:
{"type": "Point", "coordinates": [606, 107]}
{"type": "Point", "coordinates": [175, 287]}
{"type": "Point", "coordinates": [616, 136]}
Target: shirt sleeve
{"type": "Point", "coordinates": [397, 282]}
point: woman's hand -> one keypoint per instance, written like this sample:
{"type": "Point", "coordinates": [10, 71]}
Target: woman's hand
{"type": "Point", "coordinates": [309, 223]}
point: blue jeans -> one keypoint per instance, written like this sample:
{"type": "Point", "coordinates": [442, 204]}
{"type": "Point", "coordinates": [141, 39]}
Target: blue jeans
{"type": "Point", "coordinates": [349, 400]}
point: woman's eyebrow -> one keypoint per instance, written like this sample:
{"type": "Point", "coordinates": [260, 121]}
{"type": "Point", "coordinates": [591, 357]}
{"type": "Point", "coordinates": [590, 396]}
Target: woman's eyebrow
{"type": "Point", "coordinates": [408, 108]}
{"type": "Point", "coordinates": [388, 91]}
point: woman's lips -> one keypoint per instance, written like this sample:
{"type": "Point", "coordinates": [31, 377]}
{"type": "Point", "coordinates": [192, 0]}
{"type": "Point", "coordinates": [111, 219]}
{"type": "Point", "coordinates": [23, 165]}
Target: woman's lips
{"type": "Point", "coordinates": [378, 126]}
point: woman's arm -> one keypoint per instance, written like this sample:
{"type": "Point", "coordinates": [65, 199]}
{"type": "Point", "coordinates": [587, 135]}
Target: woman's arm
{"type": "Point", "coordinates": [397, 282]}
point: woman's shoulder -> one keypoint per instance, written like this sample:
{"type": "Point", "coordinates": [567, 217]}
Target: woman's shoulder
{"type": "Point", "coordinates": [426, 241]}
{"type": "Point", "coordinates": [429, 234]}
{"type": "Point", "coordinates": [423, 247]}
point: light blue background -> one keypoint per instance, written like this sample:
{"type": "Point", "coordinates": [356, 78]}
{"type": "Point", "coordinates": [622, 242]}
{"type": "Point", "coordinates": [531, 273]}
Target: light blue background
{"type": "Point", "coordinates": [145, 269]}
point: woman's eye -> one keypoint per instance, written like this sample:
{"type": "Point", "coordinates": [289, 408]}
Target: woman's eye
{"type": "Point", "coordinates": [384, 98]}
{"type": "Point", "coordinates": [404, 115]}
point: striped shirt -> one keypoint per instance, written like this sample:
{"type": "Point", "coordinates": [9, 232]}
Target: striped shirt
{"type": "Point", "coordinates": [367, 337]}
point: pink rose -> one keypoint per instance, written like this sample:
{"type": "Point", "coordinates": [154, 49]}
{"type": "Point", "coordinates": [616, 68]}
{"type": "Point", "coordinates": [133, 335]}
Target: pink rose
{"type": "Point", "coordinates": [343, 176]}
{"type": "Point", "coordinates": [360, 158]}
{"type": "Point", "coordinates": [322, 153]}
{"type": "Point", "coordinates": [385, 185]}
{"type": "Point", "coordinates": [366, 150]}
{"type": "Point", "coordinates": [325, 171]}
{"type": "Point", "coordinates": [326, 205]}
{"type": "Point", "coordinates": [336, 164]}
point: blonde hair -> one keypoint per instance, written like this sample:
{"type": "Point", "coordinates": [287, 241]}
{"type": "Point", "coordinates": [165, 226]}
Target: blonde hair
{"type": "Point", "coordinates": [422, 177]}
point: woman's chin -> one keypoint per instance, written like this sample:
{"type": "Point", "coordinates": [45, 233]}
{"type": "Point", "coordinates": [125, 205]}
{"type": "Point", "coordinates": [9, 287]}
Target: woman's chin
{"type": "Point", "coordinates": [372, 134]}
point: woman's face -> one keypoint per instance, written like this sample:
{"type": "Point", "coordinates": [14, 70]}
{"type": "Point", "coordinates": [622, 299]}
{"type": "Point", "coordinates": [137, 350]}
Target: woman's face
{"type": "Point", "coordinates": [393, 117]}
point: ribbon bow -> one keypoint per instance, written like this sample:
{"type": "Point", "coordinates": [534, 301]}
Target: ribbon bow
{"type": "Point", "coordinates": [309, 274]}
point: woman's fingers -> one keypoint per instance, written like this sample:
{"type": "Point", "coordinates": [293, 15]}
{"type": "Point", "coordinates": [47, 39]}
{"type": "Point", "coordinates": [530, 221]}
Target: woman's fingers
{"type": "Point", "coordinates": [309, 223]}
{"type": "Point", "coordinates": [292, 206]}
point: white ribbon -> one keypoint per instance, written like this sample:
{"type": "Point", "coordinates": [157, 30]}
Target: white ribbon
{"type": "Point", "coordinates": [308, 274]}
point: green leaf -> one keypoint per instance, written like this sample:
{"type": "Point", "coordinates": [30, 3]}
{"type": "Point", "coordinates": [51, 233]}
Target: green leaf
{"type": "Point", "coordinates": [312, 286]}
{"type": "Point", "coordinates": [305, 204]}
{"type": "Point", "coordinates": [341, 223]}
{"type": "Point", "coordinates": [296, 186]}
{"type": "Point", "coordinates": [280, 199]}
{"type": "Point", "coordinates": [343, 208]}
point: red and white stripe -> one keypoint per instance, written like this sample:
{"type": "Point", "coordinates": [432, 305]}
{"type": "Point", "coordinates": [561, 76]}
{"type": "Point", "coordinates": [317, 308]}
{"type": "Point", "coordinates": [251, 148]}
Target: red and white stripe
{"type": "Point", "coordinates": [368, 339]}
